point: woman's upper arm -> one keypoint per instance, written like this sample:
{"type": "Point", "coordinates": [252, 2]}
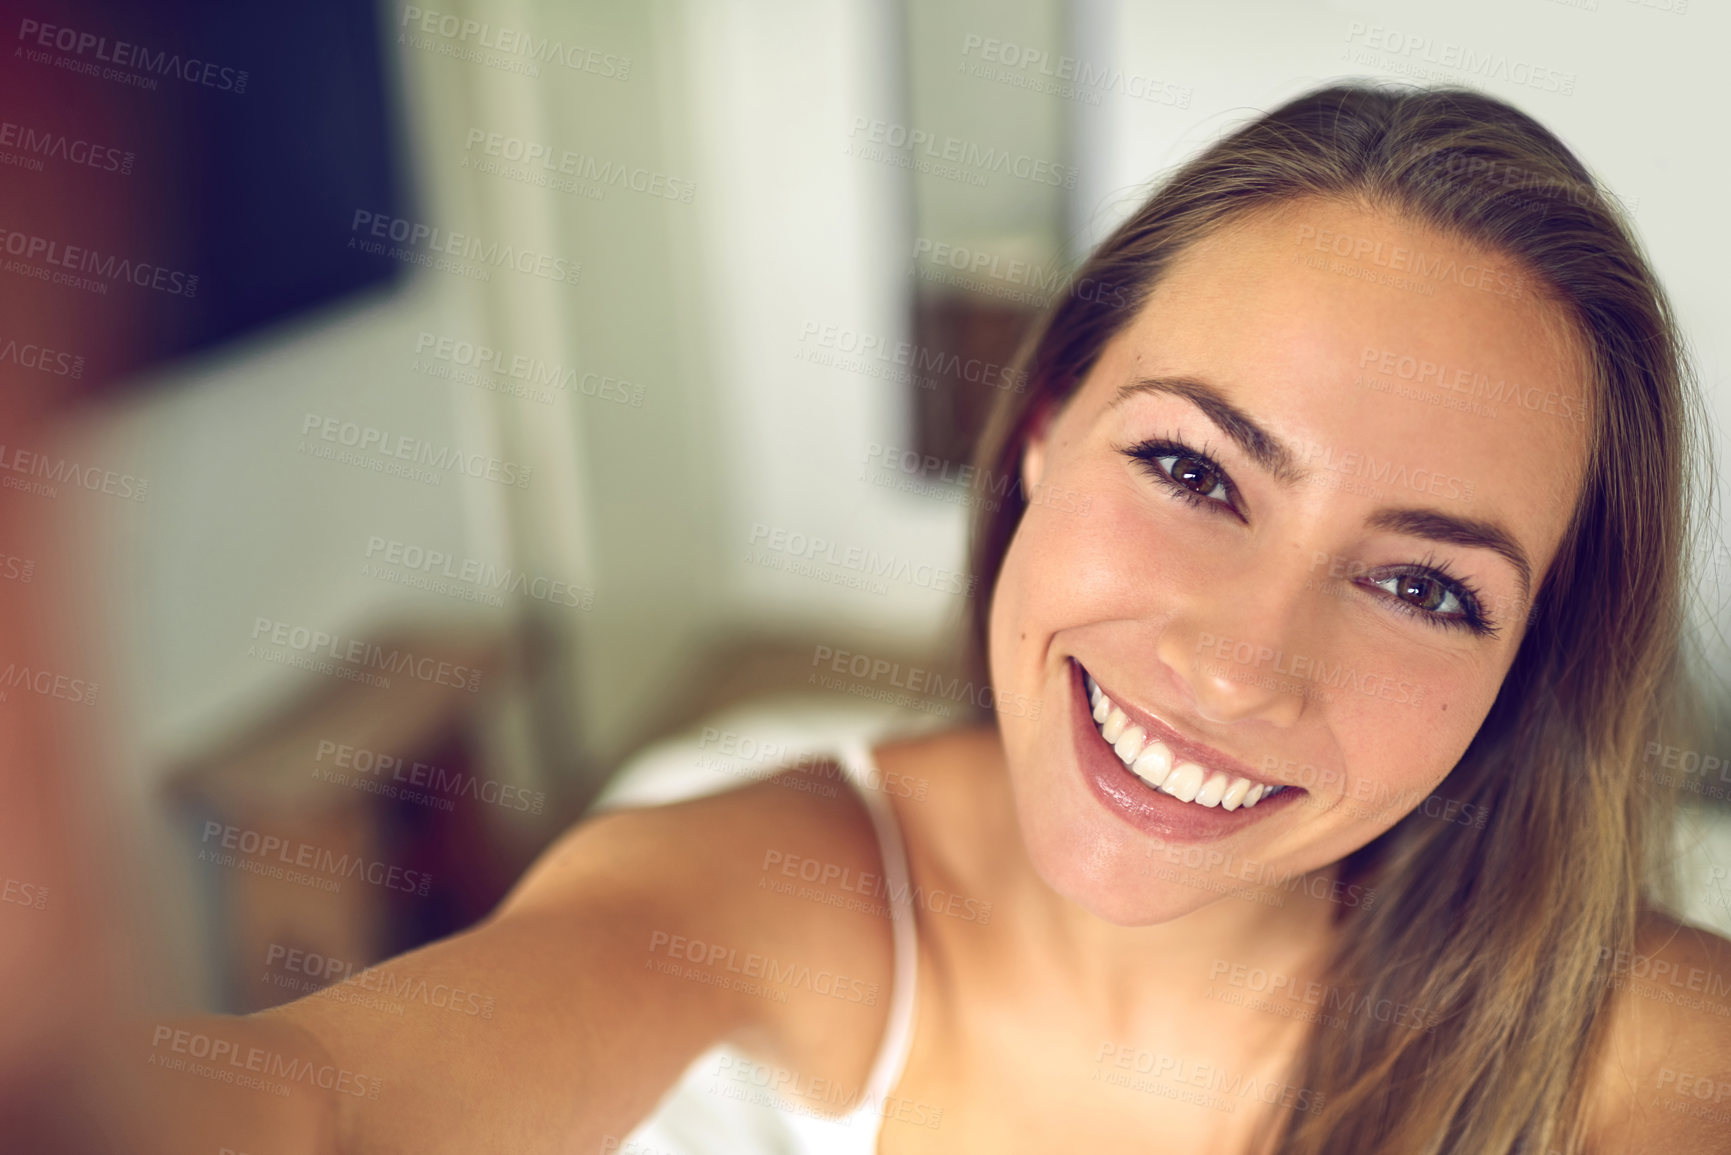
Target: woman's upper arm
{"type": "Point", "coordinates": [635, 943]}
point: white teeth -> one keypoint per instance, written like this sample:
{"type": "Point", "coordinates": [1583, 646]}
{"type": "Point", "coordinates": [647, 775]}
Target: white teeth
{"type": "Point", "coordinates": [1235, 794]}
{"type": "Point", "coordinates": [1185, 781]}
{"type": "Point", "coordinates": [1152, 762]}
{"type": "Point", "coordinates": [1212, 790]}
{"type": "Point", "coordinates": [1129, 744]}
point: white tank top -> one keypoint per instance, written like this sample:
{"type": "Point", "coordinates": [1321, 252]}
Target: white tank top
{"type": "Point", "coordinates": [729, 1104]}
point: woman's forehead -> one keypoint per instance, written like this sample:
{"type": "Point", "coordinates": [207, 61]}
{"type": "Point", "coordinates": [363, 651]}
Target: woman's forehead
{"type": "Point", "coordinates": [1256, 302]}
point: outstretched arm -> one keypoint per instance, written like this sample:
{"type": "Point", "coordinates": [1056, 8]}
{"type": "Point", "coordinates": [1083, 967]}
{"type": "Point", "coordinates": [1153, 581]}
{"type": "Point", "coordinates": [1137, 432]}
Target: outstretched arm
{"type": "Point", "coordinates": [558, 1022]}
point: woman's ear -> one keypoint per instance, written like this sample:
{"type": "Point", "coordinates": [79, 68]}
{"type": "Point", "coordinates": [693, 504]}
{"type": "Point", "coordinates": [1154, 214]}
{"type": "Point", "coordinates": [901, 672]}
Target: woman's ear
{"type": "Point", "coordinates": [1034, 448]}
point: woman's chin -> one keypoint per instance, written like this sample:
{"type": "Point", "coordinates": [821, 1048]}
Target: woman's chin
{"type": "Point", "coordinates": [1116, 879]}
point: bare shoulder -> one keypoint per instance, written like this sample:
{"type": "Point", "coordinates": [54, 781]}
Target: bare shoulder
{"type": "Point", "coordinates": [637, 941]}
{"type": "Point", "coordinates": [733, 897]}
{"type": "Point", "coordinates": [1664, 1081]}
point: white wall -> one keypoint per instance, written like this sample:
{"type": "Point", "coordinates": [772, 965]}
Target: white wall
{"type": "Point", "coordinates": [800, 234]}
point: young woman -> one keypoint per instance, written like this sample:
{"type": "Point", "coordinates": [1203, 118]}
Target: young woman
{"type": "Point", "coordinates": [1341, 587]}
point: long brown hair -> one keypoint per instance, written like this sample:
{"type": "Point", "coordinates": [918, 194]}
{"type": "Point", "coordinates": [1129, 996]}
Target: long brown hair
{"type": "Point", "coordinates": [1503, 929]}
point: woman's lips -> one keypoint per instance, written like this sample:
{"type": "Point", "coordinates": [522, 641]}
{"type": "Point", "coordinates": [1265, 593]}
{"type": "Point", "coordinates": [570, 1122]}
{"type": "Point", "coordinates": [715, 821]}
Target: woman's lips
{"type": "Point", "coordinates": [1165, 759]}
{"type": "Point", "coordinates": [1157, 812]}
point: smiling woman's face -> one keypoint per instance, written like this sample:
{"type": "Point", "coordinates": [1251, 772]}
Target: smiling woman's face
{"type": "Point", "coordinates": [1281, 559]}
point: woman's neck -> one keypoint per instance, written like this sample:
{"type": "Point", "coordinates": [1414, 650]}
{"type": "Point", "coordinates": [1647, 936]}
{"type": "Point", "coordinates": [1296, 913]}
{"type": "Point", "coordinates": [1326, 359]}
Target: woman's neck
{"type": "Point", "coordinates": [1283, 930]}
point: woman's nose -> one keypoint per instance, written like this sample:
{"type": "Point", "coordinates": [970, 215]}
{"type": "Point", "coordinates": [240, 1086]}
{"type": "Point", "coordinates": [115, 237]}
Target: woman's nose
{"type": "Point", "coordinates": [1230, 679]}
{"type": "Point", "coordinates": [1244, 651]}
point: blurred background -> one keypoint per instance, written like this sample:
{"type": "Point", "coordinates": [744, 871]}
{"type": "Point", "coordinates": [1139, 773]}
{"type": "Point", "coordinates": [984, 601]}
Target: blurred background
{"type": "Point", "coordinates": [435, 407]}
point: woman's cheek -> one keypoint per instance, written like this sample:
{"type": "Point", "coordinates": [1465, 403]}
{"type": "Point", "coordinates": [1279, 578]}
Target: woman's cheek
{"type": "Point", "coordinates": [1398, 755]}
{"type": "Point", "coordinates": [1108, 554]}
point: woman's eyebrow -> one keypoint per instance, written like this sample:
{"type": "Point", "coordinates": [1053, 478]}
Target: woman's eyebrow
{"type": "Point", "coordinates": [1471, 532]}
{"type": "Point", "coordinates": [1258, 444]}
{"type": "Point", "coordinates": [1281, 463]}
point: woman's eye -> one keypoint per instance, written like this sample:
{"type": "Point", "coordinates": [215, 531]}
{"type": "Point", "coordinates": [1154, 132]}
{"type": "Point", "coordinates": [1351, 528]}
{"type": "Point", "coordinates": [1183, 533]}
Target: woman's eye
{"type": "Point", "coordinates": [1190, 475]}
{"type": "Point", "coordinates": [1424, 593]}
{"type": "Point", "coordinates": [1193, 473]}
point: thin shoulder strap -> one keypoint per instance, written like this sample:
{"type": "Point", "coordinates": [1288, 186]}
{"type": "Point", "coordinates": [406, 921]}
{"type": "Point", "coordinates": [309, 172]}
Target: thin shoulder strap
{"type": "Point", "coordinates": [886, 1071]}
